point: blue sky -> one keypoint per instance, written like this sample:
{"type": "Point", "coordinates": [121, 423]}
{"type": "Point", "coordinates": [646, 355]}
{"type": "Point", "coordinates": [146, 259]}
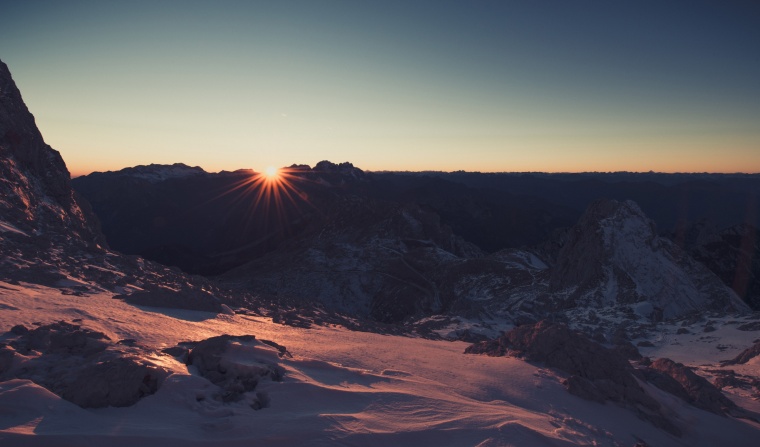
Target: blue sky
{"type": "Point", "coordinates": [440, 85]}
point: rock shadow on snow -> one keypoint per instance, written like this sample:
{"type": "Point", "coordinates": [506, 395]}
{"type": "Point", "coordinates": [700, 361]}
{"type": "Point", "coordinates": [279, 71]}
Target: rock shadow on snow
{"type": "Point", "coordinates": [603, 375]}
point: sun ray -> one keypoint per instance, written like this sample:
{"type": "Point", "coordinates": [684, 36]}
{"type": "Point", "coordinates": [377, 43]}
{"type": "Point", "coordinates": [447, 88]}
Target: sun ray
{"type": "Point", "coordinates": [274, 196]}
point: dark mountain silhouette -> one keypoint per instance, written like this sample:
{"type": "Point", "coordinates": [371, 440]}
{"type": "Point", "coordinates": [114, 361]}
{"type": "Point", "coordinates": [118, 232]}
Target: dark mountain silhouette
{"type": "Point", "coordinates": [209, 223]}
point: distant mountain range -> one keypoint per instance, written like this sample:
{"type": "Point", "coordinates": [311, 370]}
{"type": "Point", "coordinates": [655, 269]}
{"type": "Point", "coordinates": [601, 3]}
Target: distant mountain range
{"type": "Point", "coordinates": [392, 245]}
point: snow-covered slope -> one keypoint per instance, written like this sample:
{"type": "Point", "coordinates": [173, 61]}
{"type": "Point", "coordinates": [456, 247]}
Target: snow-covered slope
{"type": "Point", "coordinates": [338, 388]}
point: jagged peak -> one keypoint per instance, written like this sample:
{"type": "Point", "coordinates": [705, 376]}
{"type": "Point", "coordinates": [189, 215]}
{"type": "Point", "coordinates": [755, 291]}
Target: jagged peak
{"type": "Point", "coordinates": [343, 168]}
{"type": "Point", "coordinates": [614, 256]}
{"type": "Point", "coordinates": [605, 209]}
{"type": "Point", "coordinates": [37, 189]}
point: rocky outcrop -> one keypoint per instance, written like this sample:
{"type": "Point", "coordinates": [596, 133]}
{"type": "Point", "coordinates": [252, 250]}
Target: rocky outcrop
{"type": "Point", "coordinates": [48, 236]}
{"type": "Point", "coordinates": [236, 364]}
{"type": "Point", "coordinates": [82, 366]}
{"type": "Point", "coordinates": [89, 369]}
{"type": "Point", "coordinates": [595, 372]}
{"type": "Point", "coordinates": [613, 256]}
{"type": "Point", "coordinates": [681, 381]}
{"type": "Point", "coordinates": [744, 356]}
{"type": "Point", "coordinates": [733, 254]}
{"type": "Point", "coordinates": [602, 375]}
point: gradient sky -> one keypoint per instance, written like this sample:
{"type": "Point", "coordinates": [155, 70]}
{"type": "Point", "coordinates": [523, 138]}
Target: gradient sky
{"type": "Point", "coordinates": [392, 85]}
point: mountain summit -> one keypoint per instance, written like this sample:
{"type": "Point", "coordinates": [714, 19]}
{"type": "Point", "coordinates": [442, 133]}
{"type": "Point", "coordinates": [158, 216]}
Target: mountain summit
{"type": "Point", "coordinates": [614, 256]}
{"type": "Point", "coordinates": [34, 182]}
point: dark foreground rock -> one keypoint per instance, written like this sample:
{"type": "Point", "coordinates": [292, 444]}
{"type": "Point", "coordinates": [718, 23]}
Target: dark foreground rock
{"type": "Point", "coordinates": [82, 366]}
{"type": "Point", "coordinates": [744, 356]}
{"type": "Point", "coordinates": [89, 369]}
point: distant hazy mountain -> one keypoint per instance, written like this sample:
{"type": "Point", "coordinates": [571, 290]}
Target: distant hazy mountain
{"type": "Point", "coordinates": [208, 223]}
{"type": "Point", "coordinates": [211, 223]}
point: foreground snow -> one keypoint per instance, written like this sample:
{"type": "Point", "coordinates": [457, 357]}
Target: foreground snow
{"type": "Point", "coordinates": [340, 388]}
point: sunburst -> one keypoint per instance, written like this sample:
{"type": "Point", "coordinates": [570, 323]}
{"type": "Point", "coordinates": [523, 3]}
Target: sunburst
{"type": "Point", "coordinates": [266, 195]}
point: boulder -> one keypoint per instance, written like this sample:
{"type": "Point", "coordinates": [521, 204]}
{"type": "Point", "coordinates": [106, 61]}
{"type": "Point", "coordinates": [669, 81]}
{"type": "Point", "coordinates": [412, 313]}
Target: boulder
{"type": "Point", "coordinates": [236, 364]}
{"type": "Point", "coordinates": [744, 356]}
{"type": "Point", "coordinates": [687, 385]}
{"type": "Point", "coordinates": [81, 365]}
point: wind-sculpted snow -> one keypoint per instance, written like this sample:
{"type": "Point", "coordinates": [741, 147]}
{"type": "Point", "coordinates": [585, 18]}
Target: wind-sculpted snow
{"type": "Point", "coordinates": [595, 372]}
{"type": "Point", "coordinates": [337, 387]}
{"type": "Point", "coordinates": [600, 374]}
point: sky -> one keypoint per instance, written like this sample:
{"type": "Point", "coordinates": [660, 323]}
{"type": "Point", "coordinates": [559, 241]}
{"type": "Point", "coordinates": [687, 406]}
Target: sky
{"type": "Point", "coordinates": [568, 86]}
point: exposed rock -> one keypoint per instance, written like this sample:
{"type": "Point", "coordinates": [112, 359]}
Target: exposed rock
{"type": "Point", "coordinates": [179, 351]}
{"type": "Point", "coordinates": [19, 329]}
{"type": "Point", "coordinates": [217, 360]}
{"type": "Point", "coordinates": [694, 389]}
{"type": "Point", "coordinates": [744, 356]}
{"type": "Point", "coordinates": [154, 173]}
{"type": "Point", "coordinates": [35, 184]}
{"type": "Point", "coordinates": [732, 253]}
{"type": "Point", "coordinates": [62, 338]}
{"type": "Point", "coordinates": [614, 256]}
{"type": "Point", "coordinates": [752, 326]}
{"type": "Point", "coordinates": [596, 373]}
{"type": "Point", "coordinates": [81, 365]}
{"type": "Point", "coordinates": [628, 351]}
{"type": "Point", "coordinates": [118, 382]}
{"type": "Point", "coordinates": [729, 378]}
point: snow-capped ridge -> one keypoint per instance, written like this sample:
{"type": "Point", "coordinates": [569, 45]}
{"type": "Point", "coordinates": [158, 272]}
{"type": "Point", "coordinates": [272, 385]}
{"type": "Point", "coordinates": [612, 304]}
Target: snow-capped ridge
{"type": "Point", "coordinates": [155, 173]}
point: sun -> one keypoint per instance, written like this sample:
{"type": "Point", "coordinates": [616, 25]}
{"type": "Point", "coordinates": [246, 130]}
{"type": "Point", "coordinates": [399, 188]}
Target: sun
{"type": "Point", "coordinates": [271, 172]}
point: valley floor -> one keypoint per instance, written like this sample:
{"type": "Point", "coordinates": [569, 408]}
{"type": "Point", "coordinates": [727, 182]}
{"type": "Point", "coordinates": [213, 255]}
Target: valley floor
{"type": "Point", "coordinates": [346, 388]}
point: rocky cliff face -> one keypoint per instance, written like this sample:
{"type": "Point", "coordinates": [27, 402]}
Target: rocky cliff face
{"type": "Point", "coordinates": [732, 253]}
{"type": "Point", "coordinates": [614, 256]}
{"type": "Point", "coordinates": [49, 236]}
{"type": "Point", "coordinates": [35, 190]}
